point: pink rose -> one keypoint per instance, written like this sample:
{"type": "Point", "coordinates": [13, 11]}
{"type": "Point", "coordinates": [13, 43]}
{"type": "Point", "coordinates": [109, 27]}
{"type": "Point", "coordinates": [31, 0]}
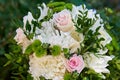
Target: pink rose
{"type": "Point", "coordinates": [75, 63]}
{"type": "Point", "coordinates": [63, 21]}
{"type": "Point", "coordinates": [21, 39]}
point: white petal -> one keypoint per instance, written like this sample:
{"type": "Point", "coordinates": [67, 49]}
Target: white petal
{"type": "Point", "coordinates": [43, 12]}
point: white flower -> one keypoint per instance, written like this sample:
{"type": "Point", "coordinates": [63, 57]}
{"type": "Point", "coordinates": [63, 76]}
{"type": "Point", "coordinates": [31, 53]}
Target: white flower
{"type": "Point", "coordinates": [102, 31]}
{"type": "Point", "coordinates": [102, 51]}
{"type": "Point", "coordinates": [98, 22]}
{"type": "Point", "coordinates": [43, 12]}
{"type": "Point", "coordinates": [97, 63]}
{"type": "Point", "coordinates": [75, 13]}
{"type": "Point", "coordinates": [61, 30]}
{"type": "Point", "coordinates": [50, 35]}
{"type": "Point", "coordinates": [91, 13]}
{"type": "Point", "coordinates": [48, 66]}
{"type": "Point", "coordinates": [28, 18]}
{"type": "Point", "coordinates": [107, 40]}
{"type": "Point", "coordinates": [104, 35]}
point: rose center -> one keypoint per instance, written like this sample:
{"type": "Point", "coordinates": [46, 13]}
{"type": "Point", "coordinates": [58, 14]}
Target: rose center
{"type": "Point", "coordinates": [73, 63]}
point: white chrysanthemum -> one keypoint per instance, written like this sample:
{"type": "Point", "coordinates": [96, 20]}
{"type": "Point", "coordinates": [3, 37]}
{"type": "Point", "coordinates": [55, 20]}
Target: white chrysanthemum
{"type": "Point", "coordinates": [47, 66]}
{"type": "Point", "coordinates": [48, 34]}
{"type": "Point", "coordinates": [97, 63]}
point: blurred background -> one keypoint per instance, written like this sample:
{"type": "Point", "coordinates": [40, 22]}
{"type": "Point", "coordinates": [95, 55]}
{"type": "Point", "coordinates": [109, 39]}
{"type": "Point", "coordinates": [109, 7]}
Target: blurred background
{"type": "Point", "coordinates": [12, 12]}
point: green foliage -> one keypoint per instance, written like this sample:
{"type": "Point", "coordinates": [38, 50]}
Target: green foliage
{"type": "Point", "coordinates": [66, 52]}
{"type": "Point", "coordinates": [67, 76]}
{"type": "Point", "coordinates": [17, 63]}
{"type": "Point", "coordinates": [71, 76]}
{"type": "Point", "coordinates": [86, 74]}
{"type": "Point", "coordinates": [55, 4]}
{"type": "Point", "coordinates": [42, 78]}
{"type": "Point", "coordinates": [58, 6]}
{"type": "Point", "coordinates": [91, 41]}
{"type": "Point", "coordinates": [114, 67]}
{"type": "Point", "coordinates": [84, 23]}
{"type": "Point", "coordinates": [111, 24]}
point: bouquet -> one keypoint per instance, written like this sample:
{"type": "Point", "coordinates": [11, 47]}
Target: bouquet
{"type": "Point", "coordinates": [65, 43]}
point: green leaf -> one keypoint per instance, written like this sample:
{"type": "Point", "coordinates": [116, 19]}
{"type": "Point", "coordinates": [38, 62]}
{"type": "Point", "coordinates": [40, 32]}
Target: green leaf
{"type": "Point", "coordinates": [8, 56]}
{"type": "Point", "coordinates": [55, 4]}
{"type": "Point", "coordinates": [19, 60]}
{"type": "Point", "coordinates": [6, 64]}
{"type": "Point", "coordinates": [68, 6]}
{"type": "Point", "coordinates": [110, 47]}
{"type": "Point", "coordinates": [20, 69]}
{"type": "Point", "coordinates": [15, 48]}
{"type": "Point", "coordinates": [65, 50]}
{"type": "Point", "coordinates": [42, 78]}
{"type": "Point", "coordinates": [118, 64]}
{"type": "Point", "coordinates": [56, 50]}
{"type": "Point", "coordinates": [58, 9]}
{"type": "Point", "coordinates": [30, 36]}
{"type": "Point", "coordinates": [66, 53]}
{"type": "Point", "coordinates": [67, 76]}
{"type": "Point", "coordinates": [75, 75]}
{"type": "Point", "coordinates": [85, 78]}
{"type": "Point", "coordinates": [28, 26]}
{"type": "Point", "coordinates": [29, 77]}
{"type": "Point", "coordinates": [115, 43]}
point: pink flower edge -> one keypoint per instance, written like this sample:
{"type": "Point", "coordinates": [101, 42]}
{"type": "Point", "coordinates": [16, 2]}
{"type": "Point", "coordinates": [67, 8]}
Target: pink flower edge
{"type": "Point", "coordinates": [75, 63]}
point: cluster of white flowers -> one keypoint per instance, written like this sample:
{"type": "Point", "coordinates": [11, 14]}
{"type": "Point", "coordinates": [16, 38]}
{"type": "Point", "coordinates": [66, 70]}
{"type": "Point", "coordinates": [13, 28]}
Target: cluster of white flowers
{"type": "Point", "coordinates": [48, 66]}
{"type": "Point", "coordinates": [49, 35]}
{"type": "Point", "coordinates": [53, 67]}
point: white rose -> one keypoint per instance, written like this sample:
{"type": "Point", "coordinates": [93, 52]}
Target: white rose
{"type": "Point", "coordinates": [63, 21]}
